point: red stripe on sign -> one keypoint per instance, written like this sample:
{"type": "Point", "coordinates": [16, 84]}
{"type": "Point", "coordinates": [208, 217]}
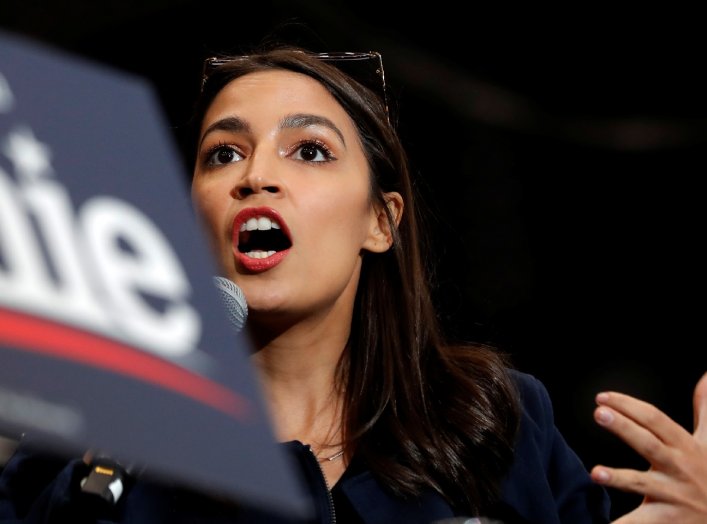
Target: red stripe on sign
{"type": "Point", "coordinates": [49, 338]}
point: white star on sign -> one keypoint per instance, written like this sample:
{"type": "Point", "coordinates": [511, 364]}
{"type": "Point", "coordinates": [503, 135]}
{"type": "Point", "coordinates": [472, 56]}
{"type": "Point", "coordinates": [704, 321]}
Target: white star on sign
{"type": "Point", "coordinates": [29, 156]}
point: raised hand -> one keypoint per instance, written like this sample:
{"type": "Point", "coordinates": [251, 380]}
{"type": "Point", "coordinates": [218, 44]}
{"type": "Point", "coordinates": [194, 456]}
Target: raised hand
{"type": "Point", "coordinates": [675, 485]}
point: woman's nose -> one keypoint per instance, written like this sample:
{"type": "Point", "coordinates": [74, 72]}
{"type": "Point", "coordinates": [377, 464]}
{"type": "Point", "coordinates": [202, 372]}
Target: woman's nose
{"type": "Point", "coordinates": [256, 182]}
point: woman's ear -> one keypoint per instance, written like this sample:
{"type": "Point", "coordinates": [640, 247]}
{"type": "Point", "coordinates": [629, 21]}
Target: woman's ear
{"type": "Point", "coordinates": [380, 236]}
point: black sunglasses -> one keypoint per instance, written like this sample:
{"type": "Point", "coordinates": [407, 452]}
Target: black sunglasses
{"type": "Point", "coordinates": [365, 67]}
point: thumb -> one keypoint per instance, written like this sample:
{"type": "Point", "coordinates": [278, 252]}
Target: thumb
{"type": "Point", "coordinates": [699, 403]}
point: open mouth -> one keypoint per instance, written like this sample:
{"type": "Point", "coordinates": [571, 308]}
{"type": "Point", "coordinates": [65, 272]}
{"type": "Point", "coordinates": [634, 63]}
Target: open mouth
{"type": "Point", "coordinates": [261, 237]}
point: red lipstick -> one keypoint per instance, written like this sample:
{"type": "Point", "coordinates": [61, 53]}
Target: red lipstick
{"type": "Point", "coordinates": [251, 250]}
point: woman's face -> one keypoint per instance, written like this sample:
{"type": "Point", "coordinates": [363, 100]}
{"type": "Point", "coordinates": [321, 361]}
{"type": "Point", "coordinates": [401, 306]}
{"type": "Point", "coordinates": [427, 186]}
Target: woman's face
{"type": "Point", "coordinates": [283, 185]}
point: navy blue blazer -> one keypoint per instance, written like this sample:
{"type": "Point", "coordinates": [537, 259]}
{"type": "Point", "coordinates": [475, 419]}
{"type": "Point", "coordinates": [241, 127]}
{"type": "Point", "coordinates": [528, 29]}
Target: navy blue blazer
{"type": "Point", "coordinates": [547, 484]}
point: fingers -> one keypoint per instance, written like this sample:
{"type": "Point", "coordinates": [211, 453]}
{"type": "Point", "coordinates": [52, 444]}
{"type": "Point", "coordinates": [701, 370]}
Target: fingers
{"type": "Point", "coordinates": [700, 409]}
{"type": "Point", "coordinates": [638, 423]}
{"type": "Point", "coordinates": [643, 439]}
{"type": "Point", "coordinates": [665, 498]}
{"type": "Point", "coordinates": [649, 484]}
{"type": "Point", "coordinates": [675, 486]}
{"type": "Point", "coordinates": [88, 456]}
{"type": "Point", "coordinates": [658, 489]}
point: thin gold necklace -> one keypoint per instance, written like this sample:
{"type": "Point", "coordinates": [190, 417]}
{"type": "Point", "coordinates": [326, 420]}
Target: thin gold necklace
{"type": "Point", "coordinates": [333, 457]}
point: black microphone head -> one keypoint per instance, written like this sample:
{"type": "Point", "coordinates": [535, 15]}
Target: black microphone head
{"type": "Point", "coordinates": [234, 300]}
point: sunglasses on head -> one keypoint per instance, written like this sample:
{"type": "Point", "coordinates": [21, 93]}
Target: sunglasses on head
{"type": "Point", "coordinates": [365, 67]}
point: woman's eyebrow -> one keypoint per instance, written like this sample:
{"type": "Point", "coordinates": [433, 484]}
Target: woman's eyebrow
{"type": "Point", "coordinates": [232, 124]}
{"type": "Point", "coordinates": [300, 120]}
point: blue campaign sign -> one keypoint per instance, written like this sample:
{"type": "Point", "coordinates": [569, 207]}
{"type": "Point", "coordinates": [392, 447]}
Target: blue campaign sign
{"type": "Point", "coordinates": [113, 336]}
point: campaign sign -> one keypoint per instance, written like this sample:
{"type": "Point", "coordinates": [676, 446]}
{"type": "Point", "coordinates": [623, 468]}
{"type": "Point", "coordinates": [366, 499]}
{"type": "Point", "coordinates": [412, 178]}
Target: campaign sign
{"type": "Point", "coordinates": [113, 336]}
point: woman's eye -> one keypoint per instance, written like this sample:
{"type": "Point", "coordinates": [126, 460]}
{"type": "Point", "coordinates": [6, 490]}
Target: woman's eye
{"type": "Point", "coordinates": [221, 155]}
{"type": "Point", "coordinates": [313, 152]}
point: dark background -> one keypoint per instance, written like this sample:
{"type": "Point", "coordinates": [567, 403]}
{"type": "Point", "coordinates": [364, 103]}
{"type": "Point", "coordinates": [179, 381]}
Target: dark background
{"type": "Point", "coordinates": [561, 154]}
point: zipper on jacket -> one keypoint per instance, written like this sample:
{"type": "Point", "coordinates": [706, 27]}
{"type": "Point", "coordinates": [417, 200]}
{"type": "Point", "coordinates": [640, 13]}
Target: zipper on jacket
{"type": "Point", "coordinates": [332, 510]}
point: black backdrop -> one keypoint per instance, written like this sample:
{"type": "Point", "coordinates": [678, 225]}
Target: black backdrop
{"type": "Point", "coordinates": [561, 153]}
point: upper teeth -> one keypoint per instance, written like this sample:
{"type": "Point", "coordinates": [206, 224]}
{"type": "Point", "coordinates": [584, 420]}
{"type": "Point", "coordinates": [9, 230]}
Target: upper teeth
{"type": "Point", "coordinates": [259, 223]}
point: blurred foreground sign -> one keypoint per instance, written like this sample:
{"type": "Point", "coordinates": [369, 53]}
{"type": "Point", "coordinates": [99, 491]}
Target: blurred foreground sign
{"type": "Point", "coordinates": [112, 334]}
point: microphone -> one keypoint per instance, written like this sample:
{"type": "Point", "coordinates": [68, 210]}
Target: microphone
{"type": "Point", "coordinates": [234, 300]}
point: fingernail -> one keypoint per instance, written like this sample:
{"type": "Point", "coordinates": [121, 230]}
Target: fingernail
{"type": "Point", "coordinates": [604, 416]}
{"type": "Point", "coordinates": [601, 475]}
{"type": "Point", "coordinates": [602, 397]}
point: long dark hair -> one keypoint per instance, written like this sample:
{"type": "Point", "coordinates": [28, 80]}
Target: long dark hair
{"type": "Point", "coordinates": [421, 413]}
